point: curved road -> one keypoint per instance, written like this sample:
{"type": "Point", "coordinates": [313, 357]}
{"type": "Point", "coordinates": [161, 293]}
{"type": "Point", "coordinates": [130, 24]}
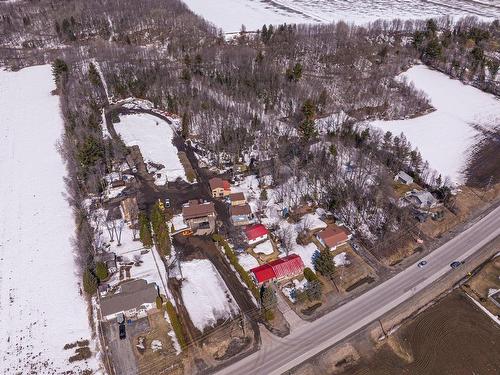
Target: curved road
{"type": "Point", "coordinates": [310, 339]}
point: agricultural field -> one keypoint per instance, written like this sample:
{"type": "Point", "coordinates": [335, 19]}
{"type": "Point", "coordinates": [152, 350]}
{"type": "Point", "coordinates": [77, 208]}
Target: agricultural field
{"type": "Point", "coordinates": [231, 14]}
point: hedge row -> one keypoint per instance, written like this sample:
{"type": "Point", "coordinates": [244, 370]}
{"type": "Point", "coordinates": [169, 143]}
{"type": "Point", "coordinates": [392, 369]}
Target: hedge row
{"type": "Point", "coordinates": [237, 266]}
{"type": "Point", "coordinates": [176, 325]}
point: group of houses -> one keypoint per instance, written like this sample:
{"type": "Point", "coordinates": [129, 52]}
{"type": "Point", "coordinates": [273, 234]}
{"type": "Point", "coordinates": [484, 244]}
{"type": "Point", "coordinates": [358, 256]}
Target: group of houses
{"type": "Point", "coordinates": [420, 199]}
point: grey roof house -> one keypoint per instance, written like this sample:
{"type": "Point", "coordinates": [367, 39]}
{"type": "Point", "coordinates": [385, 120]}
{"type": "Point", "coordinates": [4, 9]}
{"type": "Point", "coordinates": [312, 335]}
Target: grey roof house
{"type": "Point", "coordinates": [403, 178]}
{"type": "Point", "coordinates": [133, 299]}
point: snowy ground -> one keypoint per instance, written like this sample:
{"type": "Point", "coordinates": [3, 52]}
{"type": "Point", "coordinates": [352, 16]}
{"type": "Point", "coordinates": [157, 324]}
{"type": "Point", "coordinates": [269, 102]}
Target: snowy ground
{"type": "Point", "coordinates": [205, 295]}
{"type": "Point", "coordinates": [265, 248]}
{"type": "Point", "coordinates": [231, 14]}
{"type": "Point", "coordinates": [445, 136]}
{"type": "Point", "coordinates": [41, 309]}
{"type": "Point", "coordinates": [247, 261]}
{"type": "Point", "coordinates": [147, 266]}
{"type": "Point", "coordinates": [154, 138]}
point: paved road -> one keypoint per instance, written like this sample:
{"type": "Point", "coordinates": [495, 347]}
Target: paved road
{"type": "Point", "coordinates": [280, 355]}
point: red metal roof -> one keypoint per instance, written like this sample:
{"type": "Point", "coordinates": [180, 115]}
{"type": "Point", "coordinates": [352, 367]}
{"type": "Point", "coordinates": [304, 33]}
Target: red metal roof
{"type": "Point", "coordinates": [282, 267]}
{"type": "Point", "coordinates": [256, 231]}
{"type": "Point", "coordinates": [226, 185]}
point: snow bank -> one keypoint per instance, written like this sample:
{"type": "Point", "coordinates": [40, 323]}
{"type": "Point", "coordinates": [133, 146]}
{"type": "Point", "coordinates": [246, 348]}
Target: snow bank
{"type": "Point", "coordinates": [205, 295]}
{"type": "Point", "coordinates": [264, 248]}
{"type": "Point", "coordinates": [41, 309]}
{"type": "Point", "coordinates": [445, 136]}
{"type": "Point", "coordinates": [341, 259]}
{"type": "Point", "coordinates": [154, 138]}
{"type": "Point", "coordinates": [247, 261]}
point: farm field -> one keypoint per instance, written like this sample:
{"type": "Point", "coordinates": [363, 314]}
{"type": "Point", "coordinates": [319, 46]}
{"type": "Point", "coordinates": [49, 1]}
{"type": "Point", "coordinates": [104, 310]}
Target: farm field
{"type": "Point", "coordinates": [452, 337]}
{"type": "Point", "coordinates": [41, 309]}
{"type": "Point", "coordinates": [231, 14]}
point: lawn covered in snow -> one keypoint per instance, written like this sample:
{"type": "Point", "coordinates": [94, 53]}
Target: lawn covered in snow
{"type": "Point", "coordinates": [231, 14]}
{"type": "Point", "coordinates": [205, 295]}
{"type": "Point", "coordinates": [154, 138]}
{"type": "Point", "coordinates": [41, 308]}
{"type": "Point", "coordinates": [445, 136]}
{"type": "Point", "coordinates": [265, 248]}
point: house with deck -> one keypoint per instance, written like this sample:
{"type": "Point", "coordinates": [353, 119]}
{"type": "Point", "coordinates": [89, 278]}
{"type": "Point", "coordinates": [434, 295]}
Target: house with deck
{"type": "Point", "coordinates": [199, 216]}
{"type": "Point", "coordinates": [241, 214]}
{"type": "Point", "coordinates": [133, 299]}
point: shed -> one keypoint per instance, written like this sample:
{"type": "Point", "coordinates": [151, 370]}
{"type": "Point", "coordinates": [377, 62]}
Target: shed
{"type": "Point", "coordinates": [256, 233]}
{"type": "Point", "coordinates": [404, 178]}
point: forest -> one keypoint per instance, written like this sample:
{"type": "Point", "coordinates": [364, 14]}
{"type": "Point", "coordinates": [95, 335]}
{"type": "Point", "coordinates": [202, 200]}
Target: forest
{"type": "Point", "coordinates": [299, 95]}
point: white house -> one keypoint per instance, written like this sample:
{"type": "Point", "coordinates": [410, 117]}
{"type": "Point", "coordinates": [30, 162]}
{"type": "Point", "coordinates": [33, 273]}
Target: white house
{"type": "Point", "coordinates": [403, 178]}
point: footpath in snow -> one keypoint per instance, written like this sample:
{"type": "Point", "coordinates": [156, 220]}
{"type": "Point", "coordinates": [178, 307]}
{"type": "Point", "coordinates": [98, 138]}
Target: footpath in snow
{"type": "Point", "coordinates": [41, 308]}
{"type": "Point", "coordinates": [446, 136]}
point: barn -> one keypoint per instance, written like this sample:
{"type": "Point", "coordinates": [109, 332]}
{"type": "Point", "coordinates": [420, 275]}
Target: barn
{"type": "Point", "coordinates": [281, 268]}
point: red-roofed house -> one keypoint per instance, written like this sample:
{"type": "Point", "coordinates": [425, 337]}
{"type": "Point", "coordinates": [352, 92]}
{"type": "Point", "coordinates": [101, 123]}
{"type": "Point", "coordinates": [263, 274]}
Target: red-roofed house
{"type": "Point", "coordinates": [256, 233]}
{"type": "Point", "coordinates": [281, 268]}
{"type": "Point", "coordinates": [333, 236]}
{"type": "Point", "coordinates": [219, 187]}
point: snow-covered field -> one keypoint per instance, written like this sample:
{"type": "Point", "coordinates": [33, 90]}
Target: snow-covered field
{"type": "Point", "coordinates": [231, 14]}
{"type": "Point", "coordinates": [265, 248]}
{"type": "Point", "coordinates": [41, 309]}
{"type": "Point", "coordinates": [205, 295]}
{"type": "Point", "coordinates": [154, 138]}
{"type": "Point", "coordinates": [445, 136]}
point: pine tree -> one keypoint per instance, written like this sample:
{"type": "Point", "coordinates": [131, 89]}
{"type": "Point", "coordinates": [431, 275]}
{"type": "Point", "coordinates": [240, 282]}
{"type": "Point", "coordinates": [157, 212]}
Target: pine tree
{"type": "Point", "coordinates": [263, 195]}
{"type": "Point", "coordinates": [268, 298]}
{"type": "Point", "coordinates": [323, 263]}
{"type": "Point", "coordinates": [94, 76]}
{"type": "Point", "coordinates": [101, 271]}
{"type": "Point", "coordinates": [145, 231]}
{"type": "Point", "coordinates": [59, 70]}
{"type": "Point", "coordinates": [90, 282]}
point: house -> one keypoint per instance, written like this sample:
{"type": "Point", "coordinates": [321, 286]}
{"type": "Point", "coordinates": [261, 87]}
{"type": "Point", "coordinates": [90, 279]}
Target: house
{"type": "Point", "coordinates": [403, 178]}
{"type": "Point", "coordinates": [199, 216]}
{"type": "Point", "coordinates": [333, 236]}
{"type": "Point", "coordinates": [422, 199]}
{"type": "Point", "coordinates": [133, 299]}
{"type": "Point", "coordinates": [219, 187]}
{"type": "Point", "coordinates": [241, 215]}
{"type": "Point", "coordinates": [278, 269]}
{"type": "Point", "coordinates": [118, 183]}
{"type": "Point", "coordinates": [256, 233]}
{"type": "Point", "coordinates": [237, 199]}
{"type": "Point", "coordinates": [104, 289]}
{"type": "Point", "coordinates": [130, 209]}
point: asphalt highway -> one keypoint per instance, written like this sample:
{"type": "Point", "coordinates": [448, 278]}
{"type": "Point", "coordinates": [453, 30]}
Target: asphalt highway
{"type": "Point", "coordinates": [282, 354]}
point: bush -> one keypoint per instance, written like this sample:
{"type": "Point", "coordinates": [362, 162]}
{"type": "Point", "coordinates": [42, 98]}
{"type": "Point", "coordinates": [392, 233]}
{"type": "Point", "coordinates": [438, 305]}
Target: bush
{"type": "Point", "coordinates": [101, 271]}
{"type": "Point", "coordinates": [159, 302]}
{"type": "Point", "coordinates": [145, 231]}
{"type": "Point", "coordinates": [176, 325]}
{"type": "Point", "coordinates": [191, 176]}
{"type": "Point", "coordinates": [233, 259]}
{"type": "Point", "coordinates": [310, 275]}
{"type": "Point", "coordinates": [268, 315]}
{"type": "Point", "coordinates": [89, 282]}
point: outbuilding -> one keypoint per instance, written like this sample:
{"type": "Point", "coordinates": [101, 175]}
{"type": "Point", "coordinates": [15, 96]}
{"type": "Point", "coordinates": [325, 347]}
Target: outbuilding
{"type": "Point", "coordinates": [256, 233]}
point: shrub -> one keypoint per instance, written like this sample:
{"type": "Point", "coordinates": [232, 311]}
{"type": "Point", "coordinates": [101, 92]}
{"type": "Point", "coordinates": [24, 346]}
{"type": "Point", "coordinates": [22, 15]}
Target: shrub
{"type": "Point", "coordinates": [233, 259]}
{"type": "Point", "coordinates": [191, 176]}
{"type": "Point", "coordinates": [145, 231]}
{"type": "Point", "coordinates": [310, 275]}
{"type": "Point", "coordinates": [101, 271]}
{"type": "Point", "coordinates": [176, 325]}
{"type": "Point", "coordinates": [159, 302]}
{"type": "Point", "coordinates": [89, 282]}
{"type": "Point", "coordinates": [268, 315]}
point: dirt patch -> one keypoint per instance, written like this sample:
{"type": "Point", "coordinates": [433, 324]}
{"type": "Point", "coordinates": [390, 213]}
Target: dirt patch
{"type": "Point", "coordinates": [354, 274]}
{"type": "Point", "coordinates": [452, 337]}
{"type": "Point", "coordinates": [482, 168]}
{"type": "Point", "coordinates": [365, 280]}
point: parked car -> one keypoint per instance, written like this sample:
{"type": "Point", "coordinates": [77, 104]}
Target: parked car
{"type": "Point", "coordinates": [422, 264]}
{"type": "Point", "coordinates": [455, 264]}
{"type": "Point", "coordinates": [167, 203]}
{"type": "Point", "coordinates": [123, 333]}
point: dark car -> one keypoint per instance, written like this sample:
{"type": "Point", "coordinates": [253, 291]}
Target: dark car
{"type": "Point", "coordinates": [455, 264]}
{"type": "Point", "coordinates": [123, 334]}
{"type": "Point", "coordinates": [422, 264]}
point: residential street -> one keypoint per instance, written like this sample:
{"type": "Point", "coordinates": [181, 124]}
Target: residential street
{"type": "Point", "coordinates": [283, 354]}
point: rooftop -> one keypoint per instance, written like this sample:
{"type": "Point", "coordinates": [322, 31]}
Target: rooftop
{"type": "Point", "coordinates": [195, 209]}
{"type": "Point", "coordinates": [333, 235]}
{"type": "Point", "coordinates": [237, 197]}
{"type": "Point", "coordinates": [240, 210]}
{"type": "Point", "coordinates": [132, 294]}
{"type": "Point", "coordinates": [255, 231]}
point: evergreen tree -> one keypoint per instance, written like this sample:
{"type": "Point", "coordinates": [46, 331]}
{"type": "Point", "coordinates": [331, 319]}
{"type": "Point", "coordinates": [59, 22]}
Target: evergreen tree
{"type": "Point", "coordinates": [94, 76]}
{"type": "Point", "coordinates": [59, 70]}
{"type": "Point", "coordinates": [101, 271]}
{"type": "Point", "coordinates": [90, 282]}
{"type": "Point", "coordinates": [145, 231]}
{"type": "Point", "coordinates": [263, 195]}
{"type": "Point", "coordinates": [314, 290]}
{"type": "Point", "coordinates": [323, 263]}
{"type": "Point", "coordinates": [268, 298]}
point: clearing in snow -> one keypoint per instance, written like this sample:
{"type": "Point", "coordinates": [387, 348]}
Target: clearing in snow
{"type": "Point", "coordinates": [41, 309]}
{"type": "Point", "coordinates": [446, 136]}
